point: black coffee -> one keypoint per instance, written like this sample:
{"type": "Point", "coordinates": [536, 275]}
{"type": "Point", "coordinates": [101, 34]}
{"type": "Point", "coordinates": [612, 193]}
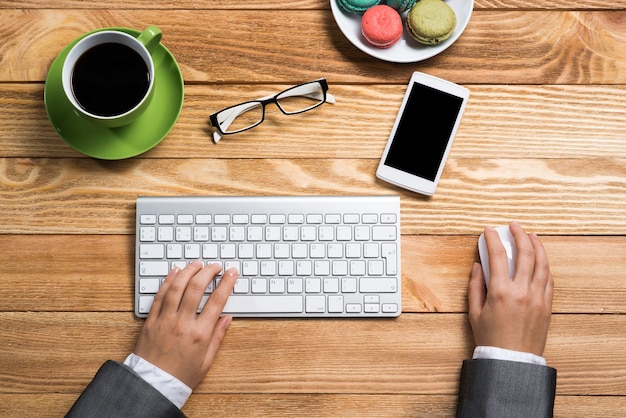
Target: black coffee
{"type": "Point", "coordinates": [110, 79]}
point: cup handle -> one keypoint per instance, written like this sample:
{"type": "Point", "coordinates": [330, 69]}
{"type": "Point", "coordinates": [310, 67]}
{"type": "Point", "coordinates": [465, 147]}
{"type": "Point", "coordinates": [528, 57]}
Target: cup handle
{"type": "Point", "coordinates": [150, 37]}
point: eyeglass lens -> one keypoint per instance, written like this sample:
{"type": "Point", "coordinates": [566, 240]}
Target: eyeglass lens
{"type": "Point", "coordinates": [296, 99]}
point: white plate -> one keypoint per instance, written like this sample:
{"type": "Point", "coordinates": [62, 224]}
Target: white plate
{"type": "Point", "coordinates": [406, 49]}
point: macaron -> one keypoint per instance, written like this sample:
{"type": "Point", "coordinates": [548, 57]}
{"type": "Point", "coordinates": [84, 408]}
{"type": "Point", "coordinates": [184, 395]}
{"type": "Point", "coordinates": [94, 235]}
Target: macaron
{"type": "Point", "coordinates": [381, 26]}
{"type": "Point", "coordinates": [431, 22]}
{"type": "Point", "coordinates": [401, 5]}
{"type": "Point", "coordinates": [357, 6]}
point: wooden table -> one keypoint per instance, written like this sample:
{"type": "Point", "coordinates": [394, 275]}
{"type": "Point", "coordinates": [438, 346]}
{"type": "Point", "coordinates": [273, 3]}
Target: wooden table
{"type": "Point", "coordinates": [543, 141]}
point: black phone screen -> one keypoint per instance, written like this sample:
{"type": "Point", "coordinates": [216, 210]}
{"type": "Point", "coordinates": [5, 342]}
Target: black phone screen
{"type": "Point", "coordinates": [423, 132]}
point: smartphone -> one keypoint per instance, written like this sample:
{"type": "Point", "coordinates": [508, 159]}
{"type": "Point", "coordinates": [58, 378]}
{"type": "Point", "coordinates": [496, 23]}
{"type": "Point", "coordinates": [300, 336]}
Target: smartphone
{"type": "Point", "coordinates": [423, 133]}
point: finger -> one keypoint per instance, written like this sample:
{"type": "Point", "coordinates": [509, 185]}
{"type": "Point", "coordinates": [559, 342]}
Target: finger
{"type": "Point", "coordinates": [498, 262]}
{"type": "Point", "coordinates": [525, 262]}
{"type": "Point", "coordinates": [219, 332]}
{"type": "Point", "coordinates": [196, 287]}
{"type": "Point", "coordinates": [215, 305]}
{"type": "Point", "coordinates": [176, 289]}
{"type": "Point", "coordinates": [542, 277]}
{"type": "Point", "coordinates": [157, 304]}
{"type": "Point", "coordinates": [476, 292]}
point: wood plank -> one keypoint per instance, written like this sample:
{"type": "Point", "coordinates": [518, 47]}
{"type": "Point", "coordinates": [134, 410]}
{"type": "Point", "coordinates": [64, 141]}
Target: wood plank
{"type": "Point", "coordinates": [73, 273]}
{"type": "Point", "coordinates": [296, 4]}
{"type": "Point", "coordinates": [413, 354]}
{"type": "Point", "coordinates": [166, 4]}
{"type": "Point", "coordinates": [567, 196]}
{"type": "Point", "coordinates": [313, 405]}
{"type": "Point", "coordinates": [518, 121]}
{"type": "Point", "coordinates": [516, 47]}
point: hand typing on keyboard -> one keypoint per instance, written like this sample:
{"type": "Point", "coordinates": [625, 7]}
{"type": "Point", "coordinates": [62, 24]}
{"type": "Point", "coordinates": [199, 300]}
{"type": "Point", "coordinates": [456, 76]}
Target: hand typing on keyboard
{"type": "Point", "coordinates": [175, 337]}
{"type": "Point", "coordinates": [297, 256]}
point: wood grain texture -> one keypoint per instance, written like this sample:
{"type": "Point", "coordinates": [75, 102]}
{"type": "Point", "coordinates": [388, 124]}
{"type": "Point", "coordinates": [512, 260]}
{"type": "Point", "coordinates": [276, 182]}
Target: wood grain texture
{"type": "Point", "coordinates": [296, 4]}
{"type": "Point", "coordinates": [501, 121]}
{"type": "Point", "coordinates": [413, 354]}
{"type": "Point", "coordinates": [567, 196]}
{"type": "Point", "coordinates": [73, 273]}
{"type": "Point", "coordinates": [517, 47]}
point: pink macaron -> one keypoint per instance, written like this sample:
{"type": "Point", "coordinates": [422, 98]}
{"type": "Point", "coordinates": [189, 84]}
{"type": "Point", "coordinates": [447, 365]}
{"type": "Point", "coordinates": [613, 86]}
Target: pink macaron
{"type": "Point", "coordinates": [381, 26]}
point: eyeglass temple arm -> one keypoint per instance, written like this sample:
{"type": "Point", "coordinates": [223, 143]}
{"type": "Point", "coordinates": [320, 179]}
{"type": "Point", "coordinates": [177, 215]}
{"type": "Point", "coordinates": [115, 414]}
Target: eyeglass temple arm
{"type": "Point", "coordinates": [231, 115]}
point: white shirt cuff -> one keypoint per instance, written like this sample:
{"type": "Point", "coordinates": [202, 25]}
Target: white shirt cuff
{"type": "Point", "coordinates": [173, 389]}
{"type": "Point", "coordinates": [497, 353]}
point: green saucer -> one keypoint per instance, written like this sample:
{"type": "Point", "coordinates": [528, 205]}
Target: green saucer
{"type": "Point", "coordinates": [127, 141]}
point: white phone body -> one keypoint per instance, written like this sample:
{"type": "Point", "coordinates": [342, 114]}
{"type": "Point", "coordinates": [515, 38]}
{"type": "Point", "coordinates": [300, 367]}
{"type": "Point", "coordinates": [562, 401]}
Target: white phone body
{"type": "Point", "coordinates": [423, 133]}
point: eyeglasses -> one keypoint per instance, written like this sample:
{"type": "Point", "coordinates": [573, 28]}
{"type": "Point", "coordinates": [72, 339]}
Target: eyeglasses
{"type": "Point", "coordinates": [294, 100]}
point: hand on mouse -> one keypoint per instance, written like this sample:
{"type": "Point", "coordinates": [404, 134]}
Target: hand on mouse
{"type": "Point", "coordinates": [515, 313]}
{"type": "Point", "coordinates": [175, 337]}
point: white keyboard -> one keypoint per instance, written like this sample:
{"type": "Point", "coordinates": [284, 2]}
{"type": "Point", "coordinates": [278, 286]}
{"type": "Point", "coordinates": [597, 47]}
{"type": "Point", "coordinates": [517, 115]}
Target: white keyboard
{"type": "Point", "coordinates": [313, 256]}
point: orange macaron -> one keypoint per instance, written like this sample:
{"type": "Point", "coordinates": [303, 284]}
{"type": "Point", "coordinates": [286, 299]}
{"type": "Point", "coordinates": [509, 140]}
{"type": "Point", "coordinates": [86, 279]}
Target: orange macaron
{"type": "Point", "coordinates": [381, 26]}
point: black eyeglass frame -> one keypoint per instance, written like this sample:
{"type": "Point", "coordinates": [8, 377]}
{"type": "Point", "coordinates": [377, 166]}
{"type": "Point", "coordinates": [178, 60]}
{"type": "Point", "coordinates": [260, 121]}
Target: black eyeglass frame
{"type": "Point", "coordinates": [271, 99]}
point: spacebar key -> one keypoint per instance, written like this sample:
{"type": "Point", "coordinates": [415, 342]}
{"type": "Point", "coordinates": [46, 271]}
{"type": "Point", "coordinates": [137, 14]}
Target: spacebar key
{"type": "Point", "coordinates": [263, 304]}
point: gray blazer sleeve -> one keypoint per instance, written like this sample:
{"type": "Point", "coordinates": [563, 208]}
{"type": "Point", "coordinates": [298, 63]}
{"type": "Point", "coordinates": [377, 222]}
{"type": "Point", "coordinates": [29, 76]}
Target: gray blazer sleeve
{"type": "Point", "coordinates": [117, 391]}
{"type": "Point", "coordinates": [498, 388]}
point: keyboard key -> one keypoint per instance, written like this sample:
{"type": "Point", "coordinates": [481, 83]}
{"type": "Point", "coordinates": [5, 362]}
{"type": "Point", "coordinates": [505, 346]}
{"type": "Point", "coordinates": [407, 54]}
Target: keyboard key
{"type": "Point", "coordinates": [151, 251]}
{"type": "Point", "coordinates": [250, 268]}
{"type": "Point", "coordinates": [384, 233]}
{"type": "Point", "coordinates": [258, 219]}
{"type": "Point", "coordinates": [268, 268]}
{"type": "Point", "coordinates": [147, 219]}
{"type": "Point", "coordinates": [153, 268]}
{"type": "Point", "coordinates": [147, 233]}
{"type": "Point", "coordinates": [218, 234]}
{"type": "Point", "coordinates": [390, 255]}
{"type": "Point", "coordinates": [149, 285]}
{"type": "Point", "coordinates": [241, 285]}
{"type": "Point", "coordinates": [390, 308]}
{"type": "Point", "coordinates": [166, 233]}
{"type": "Point", "coordinates": [145, 303]}
{"type": "Point", "coordinates": [371, 307]}
{"type": "Point", "coordinates": [388, 218]}
{"type": "Point", "coordinates": [370, 218]}
{"type": "Point", "coordinates": [294, 286]}
{"type": "Point", "coordinates": [240, 219]}
{"type": "Point", "coordinates": [175, 251]}
{"type": "Point", "coordinates": [183, 233]}
{"type": "Point", "coordinates": [277, 285]}
{"type": "Point", "coordinates": [335, 304]}
{"type": "Point", "coordinates": [333, 218]}
{"type": "Point", "coordinates": [353, 307]}
{"type": "Point", "coordinates": [331, 285]}
{"type": "Point", "coordinates": [382, 285]}
{"type": "Point", "coordinates": [295, 218]}
{"type": "Point", "coordinates": [278, 219]}
{"type": "Point", "coordinates": [203, 219]}
{"type": "Point", "coordinates": [316, 304]}
{"type": "Point", "coordinates": [201, 233]}
{"type": "Point", "coordinates": [221, 219]}
{"type": "Point", "coordinates": [314, 218]}
{"type": "Point", "coordinates": [313, 286]}
{"type": "Point", "coordinates": [264, 304]}
{"type": "Point", "coordinates": [259, 286]}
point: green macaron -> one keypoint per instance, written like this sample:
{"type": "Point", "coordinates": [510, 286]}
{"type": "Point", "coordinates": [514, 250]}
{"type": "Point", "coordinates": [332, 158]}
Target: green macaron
{"type": "Point", "coordinates": [357, 6]}
{"type": "Point", "coordinates": [431, 22]}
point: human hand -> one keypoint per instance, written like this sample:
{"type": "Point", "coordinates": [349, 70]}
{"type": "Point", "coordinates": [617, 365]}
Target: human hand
{"type": "Point", "coordinates": [513, 313]}
{"type": "Point", "coordinates": [175, 337]}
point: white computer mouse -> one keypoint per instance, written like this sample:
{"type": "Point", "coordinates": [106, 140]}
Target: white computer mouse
{"type": "Point", "coordinates": [509, 245]}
